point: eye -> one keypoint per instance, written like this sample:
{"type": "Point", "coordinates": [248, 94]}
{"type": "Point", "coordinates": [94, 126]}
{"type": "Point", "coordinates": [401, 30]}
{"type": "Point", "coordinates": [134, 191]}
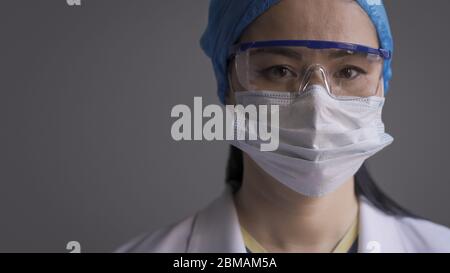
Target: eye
{"type": "Point", "coordinates": [279, 72]}
{"type": "Point", "coordinates": [350, 72]}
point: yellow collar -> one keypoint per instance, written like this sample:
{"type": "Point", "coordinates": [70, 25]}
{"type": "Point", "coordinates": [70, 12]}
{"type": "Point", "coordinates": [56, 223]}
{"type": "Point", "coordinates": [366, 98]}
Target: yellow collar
{"type": "Point", "coordinates": [342, 246]}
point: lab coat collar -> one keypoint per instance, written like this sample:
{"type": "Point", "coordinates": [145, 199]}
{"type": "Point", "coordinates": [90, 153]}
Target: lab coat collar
{"type": "Point", "coordinates": [378, 231]}
{"type": "Point", "coordinates": [216, 228]}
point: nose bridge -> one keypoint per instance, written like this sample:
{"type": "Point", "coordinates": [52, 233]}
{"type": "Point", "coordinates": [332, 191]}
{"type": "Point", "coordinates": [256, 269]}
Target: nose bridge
{"type": "Point", "coordinates": [315, 74]}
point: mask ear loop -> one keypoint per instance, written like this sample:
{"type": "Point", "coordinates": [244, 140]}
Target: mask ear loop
{"type": "Point", "coordinates": [307, 78]}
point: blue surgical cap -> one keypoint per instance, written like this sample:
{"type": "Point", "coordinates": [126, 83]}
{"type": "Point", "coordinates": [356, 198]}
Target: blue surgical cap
{"type": "Point", "coordinates": [227, 19]}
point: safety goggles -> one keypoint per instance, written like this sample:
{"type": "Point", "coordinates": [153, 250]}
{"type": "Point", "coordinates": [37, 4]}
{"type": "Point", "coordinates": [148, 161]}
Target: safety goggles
{"type": "Point", "coordinates": [344, 69]}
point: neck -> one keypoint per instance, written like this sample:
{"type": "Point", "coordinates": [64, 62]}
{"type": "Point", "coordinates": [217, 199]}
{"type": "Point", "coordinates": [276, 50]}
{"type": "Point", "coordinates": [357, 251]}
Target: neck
{"type": "Point", "coordinates": [282, 220]}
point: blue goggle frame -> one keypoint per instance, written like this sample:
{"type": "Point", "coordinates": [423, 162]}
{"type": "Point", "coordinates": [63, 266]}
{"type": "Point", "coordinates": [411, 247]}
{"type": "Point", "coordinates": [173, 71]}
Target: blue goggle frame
{"type": "Point", "coordinates": [314, 44]}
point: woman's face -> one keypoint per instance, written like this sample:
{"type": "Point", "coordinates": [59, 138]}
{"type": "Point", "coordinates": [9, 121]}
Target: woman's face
{"type": "Point", "coordinates": [336, 20]}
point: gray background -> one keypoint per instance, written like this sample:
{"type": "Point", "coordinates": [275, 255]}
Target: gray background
{"type": "Point", "coordinates": [85, 99]}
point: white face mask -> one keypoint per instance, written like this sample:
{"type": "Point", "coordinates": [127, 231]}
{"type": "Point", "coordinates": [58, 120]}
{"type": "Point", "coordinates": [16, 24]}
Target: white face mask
{"type": "Point", "coordinates": [323, 140]}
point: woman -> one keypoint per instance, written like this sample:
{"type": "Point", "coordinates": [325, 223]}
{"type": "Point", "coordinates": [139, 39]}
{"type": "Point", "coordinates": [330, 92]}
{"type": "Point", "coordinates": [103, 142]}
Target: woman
{"type": "Point", "coordinates": [327, 65]}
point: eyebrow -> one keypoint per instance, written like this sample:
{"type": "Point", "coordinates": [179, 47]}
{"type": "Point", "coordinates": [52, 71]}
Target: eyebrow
{"type": "Point", "coordinates": [278, 51]}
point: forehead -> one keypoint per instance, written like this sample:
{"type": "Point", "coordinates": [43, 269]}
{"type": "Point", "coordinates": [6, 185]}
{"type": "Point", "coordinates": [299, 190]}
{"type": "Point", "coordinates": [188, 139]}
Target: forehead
{"type": "Point", "coordinates": [333, 20]}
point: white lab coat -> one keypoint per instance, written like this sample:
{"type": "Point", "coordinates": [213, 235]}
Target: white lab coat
{"type": "Point", "coordinates": [216, 229]}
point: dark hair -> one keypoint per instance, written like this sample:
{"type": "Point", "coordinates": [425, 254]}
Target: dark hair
{"type": "Point", "coordinates": [364, 185]}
